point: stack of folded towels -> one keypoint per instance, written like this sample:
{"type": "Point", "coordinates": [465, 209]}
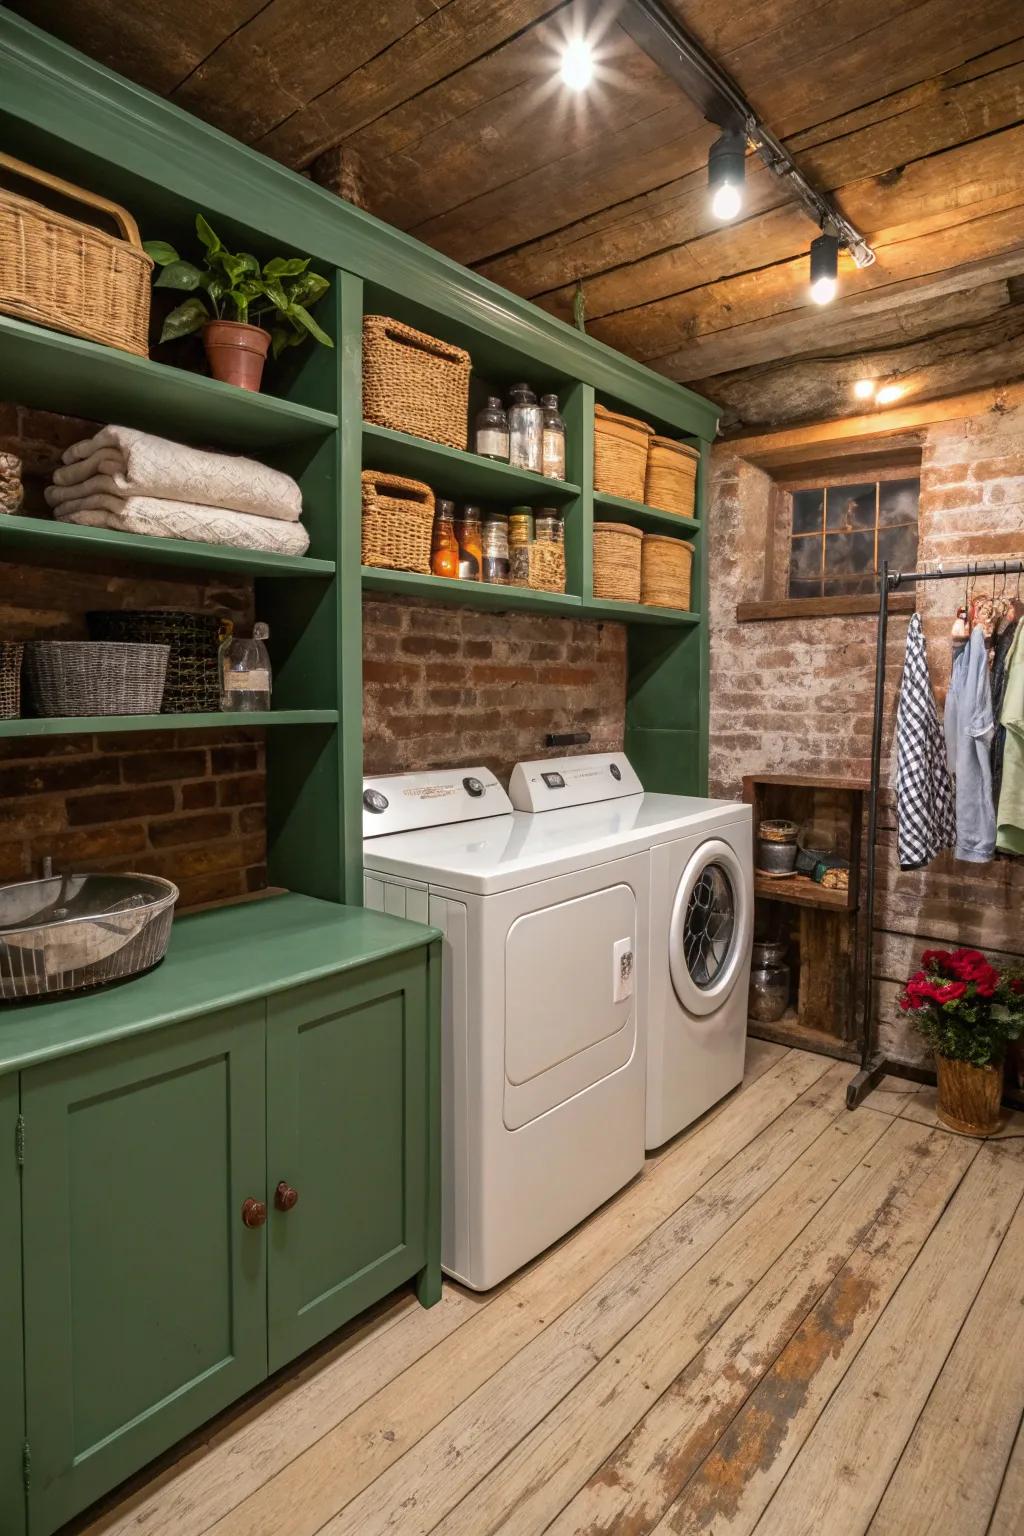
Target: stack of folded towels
{"type": "Point", "coordinates": [136, 483]}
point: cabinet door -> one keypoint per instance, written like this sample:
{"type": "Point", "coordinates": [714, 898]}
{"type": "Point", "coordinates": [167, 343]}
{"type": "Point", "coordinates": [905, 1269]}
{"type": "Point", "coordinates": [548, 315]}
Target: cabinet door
{"type": "Point", "coordinates": [347, 1084]}
{"type": "Point", "coordinates": [145, 1294]}
{"type": "Point", "coordinates": [12, 1400]}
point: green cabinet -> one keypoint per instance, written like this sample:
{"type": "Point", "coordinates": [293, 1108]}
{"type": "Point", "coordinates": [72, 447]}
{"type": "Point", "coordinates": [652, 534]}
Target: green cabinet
{"type": "Point", "coordinates": [145, 1295]}
{"type": "Point", "coordinates": [12, 1396]}
{"type": "Point", "coordinates": [347, 1112]}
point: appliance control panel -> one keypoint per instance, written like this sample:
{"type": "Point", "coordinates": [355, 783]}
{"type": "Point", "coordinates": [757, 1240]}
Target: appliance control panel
{"type": "Point", "coordinates": [403, 802]}
{"type": "Point", "coordinates": [551, 783]}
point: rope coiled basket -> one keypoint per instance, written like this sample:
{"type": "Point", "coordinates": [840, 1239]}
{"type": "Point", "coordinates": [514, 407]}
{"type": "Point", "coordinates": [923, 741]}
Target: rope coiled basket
{"type": "Point", "coordinates": [671, 483]}
{"type": "Point", "coordinates": [95, 677]}
{"type": "Point", "coordinates": [58, 271]}
{"type": "Point", "coordinates": [666, 565]}
{"type": "Point", "coordinates": [617, 561]}
{"type": "Point", "coordinates": [415, 383]}
{"type": "Point", "coordinates": [620, 454]}
{"type": "Point", "coordinates": [11, 652]}
{"type": "Point", "coordinates": [398, 518]}
{"type": "Point", "coordinates": [547, 567]}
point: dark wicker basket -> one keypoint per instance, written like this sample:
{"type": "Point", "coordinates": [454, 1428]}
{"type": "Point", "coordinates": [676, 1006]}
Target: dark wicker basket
{"type": "Point", "coordinates": [94, 677]}
{"type": "Point", "coordinates": [193, 669]}
{"type": "Point", "coordinates": [10, 679]}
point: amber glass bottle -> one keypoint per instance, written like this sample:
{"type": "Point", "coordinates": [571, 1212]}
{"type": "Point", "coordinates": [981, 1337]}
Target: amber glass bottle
{"type": "Point", "coordinates": [444, 546]}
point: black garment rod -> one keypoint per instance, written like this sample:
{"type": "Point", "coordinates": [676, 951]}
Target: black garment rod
{"type": "Point", "coordinates": [957, 572]}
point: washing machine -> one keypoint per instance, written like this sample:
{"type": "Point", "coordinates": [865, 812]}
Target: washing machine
{"type": "Point", "coordinates": [543, 1066]}
{"type": "Point", "coordinates": [701, 919]}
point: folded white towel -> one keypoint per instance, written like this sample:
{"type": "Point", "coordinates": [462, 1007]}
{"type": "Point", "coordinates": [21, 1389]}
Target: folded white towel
{"type": "Point", "coordinates": [187, 520]}
{"type": "Point", "coordinates": [137, 464]}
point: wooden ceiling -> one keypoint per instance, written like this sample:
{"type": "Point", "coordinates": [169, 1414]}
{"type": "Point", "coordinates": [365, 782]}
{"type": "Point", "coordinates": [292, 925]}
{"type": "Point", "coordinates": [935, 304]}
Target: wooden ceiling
{"type": "Point", "coordinates": [910, 111]}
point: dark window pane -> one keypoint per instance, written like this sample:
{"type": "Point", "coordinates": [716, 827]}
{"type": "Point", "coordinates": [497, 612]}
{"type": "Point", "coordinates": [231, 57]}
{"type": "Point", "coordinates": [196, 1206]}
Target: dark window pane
{"type": "Point", "coordinates": [898, 546]}
{"type": "Point", "coordinates": [804, 588]}
{"type": "Point", "coordinates": [805, 557]}
{"type": "Point", "coordinates": [849, 507]}
{"type": "Point", "coordinates": [849, 554]}
{"type": "Point", "coordinates": [807, 509]}
{"type": "Point", "coordinates": [850, 586]}
{"type": "Point", "coordinates": [897, 501]}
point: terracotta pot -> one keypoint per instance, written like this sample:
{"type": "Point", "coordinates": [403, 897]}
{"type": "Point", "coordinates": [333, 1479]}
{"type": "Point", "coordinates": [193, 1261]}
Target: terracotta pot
{"type": "Point", "coordinates": [236, 353]}
{"type": "Point", "coordinates": [969, 1096]}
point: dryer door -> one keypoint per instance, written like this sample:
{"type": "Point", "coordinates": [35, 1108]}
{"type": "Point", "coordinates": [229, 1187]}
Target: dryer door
{"type": "Point", "coordinates": [710, 928]}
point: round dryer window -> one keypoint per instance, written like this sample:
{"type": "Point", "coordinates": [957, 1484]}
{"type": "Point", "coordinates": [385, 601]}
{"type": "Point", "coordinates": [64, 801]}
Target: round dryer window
{"type": "Point", "coordinates": [710, 927]}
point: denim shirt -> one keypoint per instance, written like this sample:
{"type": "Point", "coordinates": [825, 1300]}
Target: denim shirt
{"type": "Point", "coordinates": [969, 727]}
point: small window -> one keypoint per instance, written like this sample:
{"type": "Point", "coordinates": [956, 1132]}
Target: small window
{"type": "Point", "coordinates": [841, 534]}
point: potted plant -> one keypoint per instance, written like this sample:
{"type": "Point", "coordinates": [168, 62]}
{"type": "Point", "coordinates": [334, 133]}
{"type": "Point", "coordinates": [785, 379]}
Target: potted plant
{"type": "Point", "coordinates": [968, 1011]}
{"type": "Point", "coordinates": [230, 293]}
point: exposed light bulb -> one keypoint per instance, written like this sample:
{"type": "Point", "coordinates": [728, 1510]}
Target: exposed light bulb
{"type": "Point", "coordinates": [864, 389]}
{"type": "Point", "coordinates": [577, 68]}
{"type": "Point", "coordinates": [888, 393]}
{"type": "Point", "coordinates": [823, 290]}
{"type": "Point", "coordinates": [727, 201]}
{"type": "Point", "coordinates": [824, 254]}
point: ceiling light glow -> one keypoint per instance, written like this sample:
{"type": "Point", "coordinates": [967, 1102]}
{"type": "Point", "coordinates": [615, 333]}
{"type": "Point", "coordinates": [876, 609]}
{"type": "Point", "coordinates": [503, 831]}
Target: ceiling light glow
{"type": "Point", "coordinates": [577, 69]}
{"type": "Point", "coordinates": [824, 268]}
{"type": "Point", "coordinates": [888, 393]}
{"type": "Point", "coordinates": [726, 201]}
{"type": "Point", "coordinates": [864, 389]}
{"type": "Point", "coordinates": [727, 168]}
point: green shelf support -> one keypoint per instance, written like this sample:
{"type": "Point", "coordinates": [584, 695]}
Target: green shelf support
{"type": "Point", "coordinates": [70, 543]}
{"type": "Point", "coordinates": [90, 725]}
{"type": "Point", "coordinates": [449, 471]}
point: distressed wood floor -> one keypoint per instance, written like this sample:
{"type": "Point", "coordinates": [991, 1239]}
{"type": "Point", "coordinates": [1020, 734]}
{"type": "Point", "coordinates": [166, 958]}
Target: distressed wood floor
{"type": "Point", "coordinates": [798, 1320]}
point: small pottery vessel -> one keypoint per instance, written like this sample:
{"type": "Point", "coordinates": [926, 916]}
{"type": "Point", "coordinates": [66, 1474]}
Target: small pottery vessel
{"type": "Point", "coordinates": [236, 353]}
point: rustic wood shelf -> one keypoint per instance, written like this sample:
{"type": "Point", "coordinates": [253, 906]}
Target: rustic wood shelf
{"type": "Point", "coordinates": [88, 725]}
{"type": "Point", "coordinates": [71, 542]}
{"type": "Point", "coordinates": [450, 471]}
{"type": "Point", "coordinates": [612, 509]}
{"type": "Point", "coordinates": [802, 891]}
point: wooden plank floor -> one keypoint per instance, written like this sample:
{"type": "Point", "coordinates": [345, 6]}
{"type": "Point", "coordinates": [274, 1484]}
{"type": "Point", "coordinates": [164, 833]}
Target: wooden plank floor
{"type": "Point", "coordinates": [797, 1320]}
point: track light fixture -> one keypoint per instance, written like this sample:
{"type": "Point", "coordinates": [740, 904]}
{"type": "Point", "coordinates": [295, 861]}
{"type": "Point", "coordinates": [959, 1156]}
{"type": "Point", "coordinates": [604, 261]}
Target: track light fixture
{"type": "Point", "coordinates": [727, 168]}
{"type": "Point", "coordinates": [824, 268]}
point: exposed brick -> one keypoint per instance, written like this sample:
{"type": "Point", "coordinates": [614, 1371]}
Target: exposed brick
{"type": "Point", "coordinates": [234, 759]}
{"type": "Point", "coordinates": [189, 829]}
{"type": "Point", "coordinates": [48, 777]}
{"type": "Point", "coordinates": [124, 804]}
{"type": "Point", "coordinates": [199, 796]}
{"type": "Point", "coordinates": [244, 790]}
{"type": "Point", "coordinates": [74, 849]}
{"type": "Point", "coordinates": [158, 767]}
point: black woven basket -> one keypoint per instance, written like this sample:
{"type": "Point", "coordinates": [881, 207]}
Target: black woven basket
{"type": "Point", "coordinates": [193, 670]}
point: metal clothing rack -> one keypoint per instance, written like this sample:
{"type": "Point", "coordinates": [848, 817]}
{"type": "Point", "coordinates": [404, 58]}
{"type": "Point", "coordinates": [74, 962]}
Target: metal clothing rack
{"type": "Point", "coordinates": [873, 1065]}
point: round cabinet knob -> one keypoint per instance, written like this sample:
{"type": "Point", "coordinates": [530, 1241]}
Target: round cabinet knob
{"type": "Point", "coordinates": [254, 1212]}
{"type": "Point", "coordinates": [285, 1197]}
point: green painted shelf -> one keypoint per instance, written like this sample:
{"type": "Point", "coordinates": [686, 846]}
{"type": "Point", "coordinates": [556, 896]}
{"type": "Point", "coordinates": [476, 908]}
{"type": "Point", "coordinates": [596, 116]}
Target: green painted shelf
{"type": "Point", "coordinates": [636, 613]}
{"type": "Point", "coordinates": [449, 471]}
{"type": "Point", "coordinates": [469, 594]}
{"type": "Point", "coordinates": [87, 725]}
{"type": "Point", "coordinates": [55, 372]}
{"type": "Point", "coordinates": [610, 509]}
{"type": "Point", "coordinates": [69, 541]}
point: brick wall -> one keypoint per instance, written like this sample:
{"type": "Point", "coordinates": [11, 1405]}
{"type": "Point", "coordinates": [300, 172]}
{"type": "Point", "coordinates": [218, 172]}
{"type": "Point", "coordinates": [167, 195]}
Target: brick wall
{"type": "Point", "coordinates": [189, 805]}
{"type": "Point", "coordinates": [796, 695]}
{"type": "Point", "coordinates": [448, 686]}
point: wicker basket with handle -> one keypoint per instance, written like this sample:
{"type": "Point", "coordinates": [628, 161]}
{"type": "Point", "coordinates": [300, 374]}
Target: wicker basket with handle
{"type": "Point", "coordinates": [415, 383]}
{"type": "Point", "coordinates": [617, 561]}
{"type": "Point", "coordinates": [63, 273]}
{"type": "Point", "coordinates": [398, 518]}
{"type": "Point", "coordinates": [620, 454]}
{"type": "Point", "coordinates": [665, 568]}
{"type": "Point", "coordinates": [95, 677]}
{"type": "Point", "coordinates": [10, 679]}
{"type": "Point", "coordinates": [671, 483]}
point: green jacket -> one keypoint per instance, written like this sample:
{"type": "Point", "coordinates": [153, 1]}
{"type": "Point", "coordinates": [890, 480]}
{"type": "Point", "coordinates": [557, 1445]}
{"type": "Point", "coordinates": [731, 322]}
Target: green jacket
{"type": "Point", "coordinates": [1010, 812]}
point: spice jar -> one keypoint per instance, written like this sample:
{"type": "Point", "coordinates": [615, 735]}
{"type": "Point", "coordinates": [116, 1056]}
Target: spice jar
{"type": "Point", "coordinates": [490, 430]}
{"type": "Point", "coordinates": [525, 429]}
{"type": "Point", "coordinates": [520, 537]}
{"type": "Point", "coordinates": [547, 526]}
{"type": "Point", "coordinates": [553, 441]}
{"type": "Point", "coordinates": [444, 546]}
{"type": "Point", "coordinates": [776, 847]}
{"type": "Point", "coordinates": [245, 672]}
{"type": "Point", "coordinates": [495, 549]}
{"type": "Point", "coordinates": [468, 533]}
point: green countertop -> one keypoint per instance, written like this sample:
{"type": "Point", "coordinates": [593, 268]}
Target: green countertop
{"type": "Point", "coordinates": [215, 959]}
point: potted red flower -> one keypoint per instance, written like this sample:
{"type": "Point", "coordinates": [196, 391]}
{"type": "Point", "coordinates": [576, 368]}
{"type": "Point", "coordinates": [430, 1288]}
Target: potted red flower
{"type": "Point", "coordinates": [968, 1011]}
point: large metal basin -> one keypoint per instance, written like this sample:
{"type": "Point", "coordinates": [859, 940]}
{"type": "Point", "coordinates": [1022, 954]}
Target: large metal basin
{"type": "Point", "coordinates": [66, 932]}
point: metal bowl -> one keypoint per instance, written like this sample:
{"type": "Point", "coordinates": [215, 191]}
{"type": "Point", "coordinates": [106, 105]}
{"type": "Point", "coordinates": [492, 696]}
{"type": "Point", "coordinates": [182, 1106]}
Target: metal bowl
{"type": "Point", "coordinates": [67, 932]}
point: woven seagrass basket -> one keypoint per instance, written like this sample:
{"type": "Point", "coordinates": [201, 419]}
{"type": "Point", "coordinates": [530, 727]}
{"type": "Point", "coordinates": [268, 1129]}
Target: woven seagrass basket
{"type": "Point", "coordinates": [95, 677]}
{"type": "Point", "coordinates": [665, 567]}
{"type": "Point", "coordinates": [547, 567]}
{"type": "Point", "coordinates": [620, 454]}
{"type": "Point", "coordinates": [193, 683]}
{"type": "Point", "coordinates": [617, 561]}
{"type": "Point", "coordinates": [60, 272]}
{"type": "Point", "coordinates": [671, 483]}
{"type": "Point", "coordinates": [10, 679]}
{"type": "Point", "coordinates": [415, 383]}
{"type": "Point", "coordinates": [398, 518]}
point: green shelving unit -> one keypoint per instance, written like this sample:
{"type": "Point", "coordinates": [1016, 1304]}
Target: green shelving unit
{"type": "Point", "coordinates": [66, 542]}
{"type": "Point", "coordinates": [89, 725]}
{"type": "Point", "coordinates": [458, 474]}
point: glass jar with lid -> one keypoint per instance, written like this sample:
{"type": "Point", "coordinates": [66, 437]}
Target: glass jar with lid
{"type": "Point", "coordinates": [444, 546]}
{"type": "Point", "coordinates": [520, 537]}
{"type": "Point", "coordinates": [547, 526]}
{"type": "Point", "coordinates": [495, 549]}
{"type": "Point", "coordinates": [246, 672]}
{"type": "Point", "coordinates": [553, 442]}
{"type": "Point", "coordinates": [525, 429]}
{"type": "Point", "coordinates": [490, 431]}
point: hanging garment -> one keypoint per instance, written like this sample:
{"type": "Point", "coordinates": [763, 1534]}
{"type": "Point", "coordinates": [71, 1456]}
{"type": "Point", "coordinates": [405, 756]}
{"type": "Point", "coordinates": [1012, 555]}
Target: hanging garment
{"type": "Point", "coordinates": [1003, 647]}
{"type": "Point", "coordinates": [969, 728]}
{"type": "Point", "coordinates": [1010, 817]}
{"type": "Point", "coordinates": [924, 793]}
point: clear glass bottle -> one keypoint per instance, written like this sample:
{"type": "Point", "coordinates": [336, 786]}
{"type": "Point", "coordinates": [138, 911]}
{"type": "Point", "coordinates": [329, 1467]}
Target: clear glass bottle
{"type": "Point", "coordinates": [525, 429]}
{"type": "Point", "coordinates": [468, 533]}
{"type": "Point", "coordinates": [520, 537]}
{"type": "Point", "coordinates": [490, 431]}
{"type": "Point", "coordinates": [553, 443]}
{"type": "Point", "coordinates": [495, 548]}
{"type": "Point", "coordinates": [547, 525]}
{"type": "Point", "coordinates": [444, 546]}
{"type": "Point", "coordinates": [246, 672]}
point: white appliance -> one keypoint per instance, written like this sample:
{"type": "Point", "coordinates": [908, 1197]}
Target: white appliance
{"type": "Point", "coordinates": [701, 918]}
{"type": "Point", "coordinates": [542, 1049]}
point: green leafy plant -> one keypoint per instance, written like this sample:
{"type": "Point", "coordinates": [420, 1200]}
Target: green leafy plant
{"type": "Point", "coordinates": [964, 1007]}
{"type": "Point", "coordinates": [233, 286]}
